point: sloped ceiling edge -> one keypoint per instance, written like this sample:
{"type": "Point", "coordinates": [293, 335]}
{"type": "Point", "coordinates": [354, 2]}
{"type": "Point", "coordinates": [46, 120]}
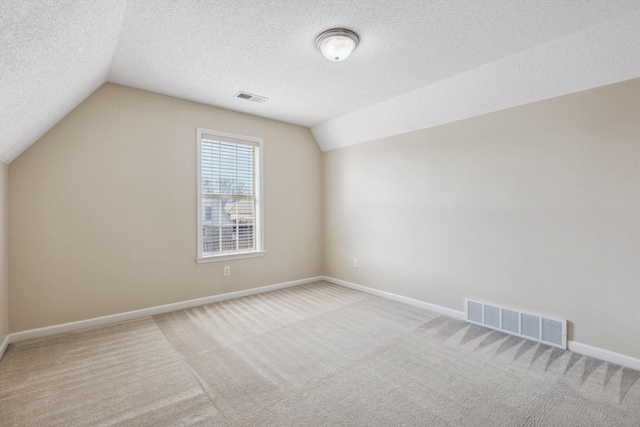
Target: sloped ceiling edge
{"type": "Point", "coordinates": [601, 55]}
{"type": "Point", "coordinates": [54, 55]}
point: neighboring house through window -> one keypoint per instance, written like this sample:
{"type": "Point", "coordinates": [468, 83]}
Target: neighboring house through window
{"type": "Point", "coordinates": [229, 196]}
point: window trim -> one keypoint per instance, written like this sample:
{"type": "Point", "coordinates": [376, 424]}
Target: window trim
{"type": "Point", "coordinates": [258, 252]}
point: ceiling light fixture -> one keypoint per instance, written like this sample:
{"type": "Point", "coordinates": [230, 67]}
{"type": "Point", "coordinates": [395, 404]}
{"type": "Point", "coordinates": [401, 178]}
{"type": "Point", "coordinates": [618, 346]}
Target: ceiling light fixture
{"type": "Point", "coordinates": [337, 44]}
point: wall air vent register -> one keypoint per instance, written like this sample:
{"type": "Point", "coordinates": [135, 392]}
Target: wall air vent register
{"type": "Point", "coordinates": [544, 329]}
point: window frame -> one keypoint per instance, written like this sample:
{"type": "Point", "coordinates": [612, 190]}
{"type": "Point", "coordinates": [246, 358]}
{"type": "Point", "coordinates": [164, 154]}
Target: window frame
{"type": "Point", "coordinates": [259, 251]}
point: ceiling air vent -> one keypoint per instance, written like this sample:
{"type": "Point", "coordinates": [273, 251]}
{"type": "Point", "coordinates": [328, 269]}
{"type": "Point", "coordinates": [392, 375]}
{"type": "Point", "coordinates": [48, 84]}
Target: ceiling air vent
{"type": "Point", "coordinates": [251, 97]}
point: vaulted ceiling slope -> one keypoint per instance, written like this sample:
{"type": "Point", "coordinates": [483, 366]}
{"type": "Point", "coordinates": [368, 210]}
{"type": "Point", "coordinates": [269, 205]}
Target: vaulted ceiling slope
{"type": "Point", "coordinates": [53, 54]}
{"type": "Point", "coordinates": [419, 64]}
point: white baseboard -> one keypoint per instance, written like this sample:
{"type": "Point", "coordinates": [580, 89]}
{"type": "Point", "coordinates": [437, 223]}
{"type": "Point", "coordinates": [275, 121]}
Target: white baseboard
{"type": "Point", "coordinates": [606, 355]}
{"type": "Point", "coordinates": [584, 349]}
{"type": "Point", "coordinates": [394, 297]}
{"type": "Point", "coordinates": [3, 346]}
{"type": "Point", "coordinates": [576, 347]}
{"type": "Point", "coordinates": [145, 312]}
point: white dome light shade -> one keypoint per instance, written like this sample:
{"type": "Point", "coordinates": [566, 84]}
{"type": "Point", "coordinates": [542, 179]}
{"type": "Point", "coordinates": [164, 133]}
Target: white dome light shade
{"type": "Point", "coordinates": [337, 44]}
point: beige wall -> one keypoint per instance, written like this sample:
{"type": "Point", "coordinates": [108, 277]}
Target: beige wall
{"type": "Point", "coordinates": [535, 207]}
{"type": "Point", "coordinates": [103, 209]}
{"type": "Point", "coordinates": [4, 253]}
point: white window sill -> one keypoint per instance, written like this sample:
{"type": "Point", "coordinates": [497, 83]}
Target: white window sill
{"type": "Point", "coordinates": [237, 255]}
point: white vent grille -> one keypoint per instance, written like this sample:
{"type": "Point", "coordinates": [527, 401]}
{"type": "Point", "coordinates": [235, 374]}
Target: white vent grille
{"type": "Point", "coordinates": [251, 97]}
{"type": "Point", "coordinates": [510, 321]}
{"type": "Point", "coordinates": [552, 331]}
{"type": "Point", "coordinates": [474, 312]}
{"type": "Point", "coordinates": [532, 326]}
{"type": "Point", "coordinates": [492, 316]}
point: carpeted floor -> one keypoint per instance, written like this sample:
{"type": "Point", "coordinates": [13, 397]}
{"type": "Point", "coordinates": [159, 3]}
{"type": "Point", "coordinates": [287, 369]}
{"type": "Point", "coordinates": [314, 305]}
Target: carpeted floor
{"type": "Point", "coordinates": [317, 354]}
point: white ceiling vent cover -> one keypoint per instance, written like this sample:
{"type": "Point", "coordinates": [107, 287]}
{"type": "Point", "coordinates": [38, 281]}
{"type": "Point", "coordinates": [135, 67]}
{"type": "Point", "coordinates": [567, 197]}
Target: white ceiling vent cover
{"type": "Point", "coordinates": [251, 97]}
{"type": "Point", "coordinates": [536, 327]}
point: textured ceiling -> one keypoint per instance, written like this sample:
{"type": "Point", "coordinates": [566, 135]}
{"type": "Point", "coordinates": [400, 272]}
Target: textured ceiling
{"type": "Point", "coordinates": [54, 54]}
{"type": "Point", "coordinates": [604, 54]}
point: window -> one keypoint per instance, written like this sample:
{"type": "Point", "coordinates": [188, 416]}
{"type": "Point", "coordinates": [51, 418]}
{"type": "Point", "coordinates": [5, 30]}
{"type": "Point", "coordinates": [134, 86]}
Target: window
{"type": "Point", "coordinates": [229, 196]}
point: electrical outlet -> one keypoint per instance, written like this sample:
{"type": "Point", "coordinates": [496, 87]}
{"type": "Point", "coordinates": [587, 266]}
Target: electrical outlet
{"type": "Point", "coordinates": [227, 271]}
{"type": "Point", "coordinates": [355, 263]}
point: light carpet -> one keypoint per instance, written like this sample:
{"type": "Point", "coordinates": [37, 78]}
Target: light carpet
{"type": "Point", "coordinates": [316, 354]}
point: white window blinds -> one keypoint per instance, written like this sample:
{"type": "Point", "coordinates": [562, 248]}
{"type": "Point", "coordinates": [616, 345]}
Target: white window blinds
{"type": "Point", "coordinates": [230, 214]}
